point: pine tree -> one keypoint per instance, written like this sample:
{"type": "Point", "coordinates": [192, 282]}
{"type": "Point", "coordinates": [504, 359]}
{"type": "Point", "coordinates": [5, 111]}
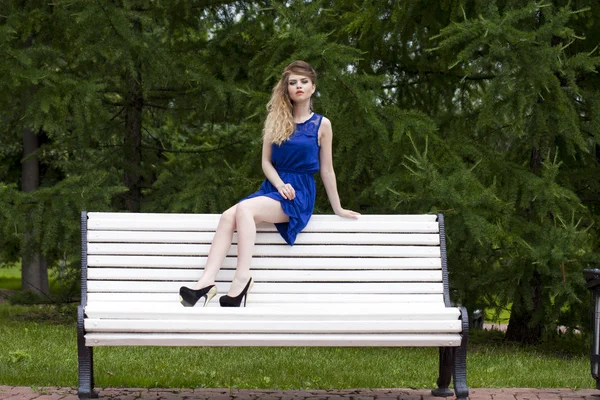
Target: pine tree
{"type": "Point", "coordinates": [527, 120]}
{"type": "Point", "coordinates": [73, 74]}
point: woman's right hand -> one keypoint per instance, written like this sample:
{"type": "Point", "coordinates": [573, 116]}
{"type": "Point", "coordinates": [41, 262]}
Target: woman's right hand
{"type": "Point", "coordinates": [286, 191]}
{"type": "Point", "coordinates": [347, 213]}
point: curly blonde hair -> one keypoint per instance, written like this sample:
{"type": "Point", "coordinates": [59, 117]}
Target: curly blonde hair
{"type": "Point", "coordinates": [279, 124]}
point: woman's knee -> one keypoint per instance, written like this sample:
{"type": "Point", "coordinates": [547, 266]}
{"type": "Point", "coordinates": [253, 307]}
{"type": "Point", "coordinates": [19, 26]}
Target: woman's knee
{"type": "Point", "coordinates": [261, 209]}
{"type": "Point", "coordinates": [244, 209]}
{"type": "Point", "coordinates": [228, 217]}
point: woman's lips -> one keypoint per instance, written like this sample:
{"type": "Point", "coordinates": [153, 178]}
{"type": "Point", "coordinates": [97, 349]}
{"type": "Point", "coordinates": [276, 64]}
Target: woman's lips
{"type": "Point", "coordinates": [299, 92]}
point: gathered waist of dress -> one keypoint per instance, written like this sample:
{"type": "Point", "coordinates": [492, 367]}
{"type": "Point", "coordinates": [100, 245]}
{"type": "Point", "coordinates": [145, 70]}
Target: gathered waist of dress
{"type": "Point", "coordinates": [295, 171]}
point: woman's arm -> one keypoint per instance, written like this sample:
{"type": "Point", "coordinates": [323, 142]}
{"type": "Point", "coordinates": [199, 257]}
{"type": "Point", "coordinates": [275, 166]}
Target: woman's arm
{"type": "Point", "coordinates": [285, 189]}
{"type": "Point", "coordinates": [327, 172]}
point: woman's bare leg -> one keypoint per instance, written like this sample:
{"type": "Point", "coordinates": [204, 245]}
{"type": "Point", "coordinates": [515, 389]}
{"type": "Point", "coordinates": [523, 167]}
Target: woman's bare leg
{"type": "Point", "coordinates": [248, 214]}
{"type": "Point", "coordinates": [219, 248]}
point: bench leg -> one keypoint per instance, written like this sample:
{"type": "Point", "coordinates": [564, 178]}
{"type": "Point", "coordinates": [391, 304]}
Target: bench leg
{"type": "Point", "coordinates": [446, 364]}
{"type": "Point", "coordinates": [460, 360]}
{"type": "Point", "coordinates": [86, 362]}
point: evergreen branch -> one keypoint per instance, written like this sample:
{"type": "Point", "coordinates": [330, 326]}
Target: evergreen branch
{"type": "Point", "coordinates": [349, 88]}
{"type": "Point", "coordinates": [190, 151]}
{"type": "Point", "coordinates": [172, 108]}
{"type": "Point", "coordinates": [156, 106]}
{"type": "Point", "coordinates": [18, 61]}
{"type": "Point", "coordinates": [214, 3]}
{"type": "Point", "coordinates": [110, 103]}
{"type": "Point", "coordinates": [182, 151]}
{"type": "Point", "coordinates": [166, 96]}
{"type": "Point", "coordinates": [108, 89]}
{"type": "Point", "coordinates": [168, 89]}
{"type": "Point", "coordinates": [585, 9]}
{"type": "Point", "coordinates": [113, 125]}
{"type": "Point", "coordinates": [463, 77]}
{"type": "Point", "coordinates": [117, 114]}
{"type": "Point", "coordinates": [152, 136]}
{"type": "Point", "coordinates": [114, 28]}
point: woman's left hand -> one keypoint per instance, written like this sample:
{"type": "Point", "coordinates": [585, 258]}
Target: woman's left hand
{"type": "Point", "coordinates": [348, 214]}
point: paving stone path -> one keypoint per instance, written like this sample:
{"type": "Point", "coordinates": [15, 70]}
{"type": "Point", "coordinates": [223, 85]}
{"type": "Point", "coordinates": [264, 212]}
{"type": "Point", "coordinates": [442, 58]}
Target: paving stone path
{"type": "Point", "coordinates": [57, 393]}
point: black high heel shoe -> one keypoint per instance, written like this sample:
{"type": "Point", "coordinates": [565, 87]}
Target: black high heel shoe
{"type": "Point", "coordinates": [228, 301]}
{"type": "Point", "coordinates": [189, 297]}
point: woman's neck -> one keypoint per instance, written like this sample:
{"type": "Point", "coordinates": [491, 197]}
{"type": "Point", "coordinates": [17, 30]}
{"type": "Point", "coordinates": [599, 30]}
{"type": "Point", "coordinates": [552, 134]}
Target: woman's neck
{"type": "Point", "coordinates": [302, 112]}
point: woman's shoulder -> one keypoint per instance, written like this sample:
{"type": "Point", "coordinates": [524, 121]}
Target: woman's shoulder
{"type": "Point", "coordinates": [324, 120]}
{"type": "Point", "coordinates": [324, 128]}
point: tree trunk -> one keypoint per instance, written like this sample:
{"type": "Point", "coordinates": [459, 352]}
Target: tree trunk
{"type": "Point", "coordinates": [133, 137]}
{"type": "Point", "coordinates": [520, 329]}
{"type": "Point", "coordinates": [34, 271]}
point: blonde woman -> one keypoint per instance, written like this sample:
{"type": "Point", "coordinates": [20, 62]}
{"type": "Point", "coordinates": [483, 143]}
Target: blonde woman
{"type": "Point", "coordinates": [296, 144]}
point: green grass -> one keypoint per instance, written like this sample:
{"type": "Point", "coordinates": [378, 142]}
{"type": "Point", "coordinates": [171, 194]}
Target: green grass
{"type": "Point", "coordinates": [38, 347]}
{"type": "Point", "coordinates": [501, 318]}
{"type": "Point", "coordinates": [60, 291]}
{"type": "Point", "coordinates": [10, 278]}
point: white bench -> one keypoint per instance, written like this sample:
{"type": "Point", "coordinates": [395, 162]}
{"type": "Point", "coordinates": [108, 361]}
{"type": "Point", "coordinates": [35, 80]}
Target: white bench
{"type": "Point", "coordinates": [380, 280]}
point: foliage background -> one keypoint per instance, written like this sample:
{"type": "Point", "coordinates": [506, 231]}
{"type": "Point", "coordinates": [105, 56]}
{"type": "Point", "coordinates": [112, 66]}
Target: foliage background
{"type": "Point", "coordinates": [486, 111]}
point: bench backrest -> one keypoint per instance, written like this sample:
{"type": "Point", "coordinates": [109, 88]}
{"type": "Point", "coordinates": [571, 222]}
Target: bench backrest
{"type": "Point", "coordinates": [377, 258]}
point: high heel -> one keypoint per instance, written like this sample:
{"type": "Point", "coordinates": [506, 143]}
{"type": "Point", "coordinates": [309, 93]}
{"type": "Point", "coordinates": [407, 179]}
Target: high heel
{"type": "Point", "coordinates": [189, 297]}
{"type": "Point", "coordinates": [228, 301]}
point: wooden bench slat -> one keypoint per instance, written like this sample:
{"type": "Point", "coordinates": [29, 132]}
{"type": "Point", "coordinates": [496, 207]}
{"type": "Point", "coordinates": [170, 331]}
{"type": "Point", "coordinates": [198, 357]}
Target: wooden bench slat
{"type": "Point", "coordinates": [155, 274]}
{"type": "Point", "coordinates": [271, 340]}
{"type": "Point", "coordinates": [265, 238]}
{"type": "Point", "coordinates": [298, 312]}
{"type": "Point", "coordinates": [265, 250]}
{"type": "Point", "coordinates": [267, 299]}
{"type": "Point", "coordinates": [267, 263]}
{"type": "Point", "coordinates": [100, 216]}
{"type": "Point", "coordinates": [271, 326]}
{"type": "Point", "coordinates": [262, 287]}
{"type": "Point", "coordinates": [191, 222]}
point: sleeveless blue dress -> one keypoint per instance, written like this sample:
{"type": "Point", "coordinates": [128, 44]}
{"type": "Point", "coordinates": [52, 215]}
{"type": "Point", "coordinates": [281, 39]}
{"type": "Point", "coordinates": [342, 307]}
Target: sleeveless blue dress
{"type": "Point", "coordinates": [296, 161]}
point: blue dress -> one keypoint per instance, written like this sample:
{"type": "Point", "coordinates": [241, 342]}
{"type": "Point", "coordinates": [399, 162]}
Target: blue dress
{"type": "Point", "coordinates": [296, 161]}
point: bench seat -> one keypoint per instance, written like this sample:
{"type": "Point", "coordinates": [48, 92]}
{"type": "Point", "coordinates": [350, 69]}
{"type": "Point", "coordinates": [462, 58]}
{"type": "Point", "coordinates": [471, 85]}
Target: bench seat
{"type": "Point", "coordinates": [276, 340]}
{"type": "Point", "coordinates": [380, 280]}
{"type": "Point", "coordinates": [266, 322]}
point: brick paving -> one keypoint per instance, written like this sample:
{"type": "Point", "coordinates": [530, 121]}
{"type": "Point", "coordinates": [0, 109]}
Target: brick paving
{"type": "Point", "coordinates": [62, 393]}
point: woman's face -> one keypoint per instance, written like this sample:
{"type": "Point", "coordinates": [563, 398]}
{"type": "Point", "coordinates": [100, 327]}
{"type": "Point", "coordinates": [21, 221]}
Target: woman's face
{"type": "Point", "coordinates": [300, 88]}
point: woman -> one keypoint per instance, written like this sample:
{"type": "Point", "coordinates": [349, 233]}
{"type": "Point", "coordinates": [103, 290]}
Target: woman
{"type": "Point", "coordinates": [296, 144]}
